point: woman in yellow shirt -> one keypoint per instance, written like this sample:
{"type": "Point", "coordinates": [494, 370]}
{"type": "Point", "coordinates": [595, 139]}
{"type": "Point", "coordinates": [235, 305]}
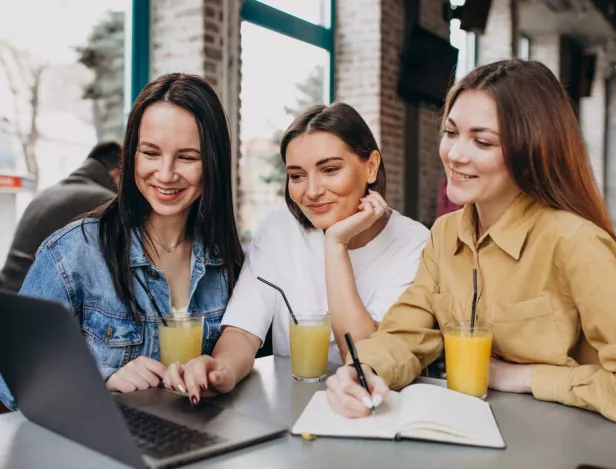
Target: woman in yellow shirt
{"type": "Point", "coordinates": [534, 226]}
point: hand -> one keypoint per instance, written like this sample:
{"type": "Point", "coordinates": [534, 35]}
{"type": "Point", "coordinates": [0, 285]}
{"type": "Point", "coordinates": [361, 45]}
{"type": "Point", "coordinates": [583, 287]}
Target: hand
{"type": "Point", "coordinates": [510, 377]}
{"type": "Point", "coordinates": [347, 397]}
{"type": "Point", "coordinates": [203, 376]}
{"type": "Point", "coordinates": [141, 373]}
{"type": "Point", "coordinates": [371, 209]}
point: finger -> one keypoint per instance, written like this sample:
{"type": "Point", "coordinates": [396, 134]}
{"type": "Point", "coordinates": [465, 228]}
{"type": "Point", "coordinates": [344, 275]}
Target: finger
{"type": "Point", "coordinates": [222, 380]}
{"type": "Point", "coordinates": [194, 376]}
{"type": "Point", "coordinates": [378, 389]}
{"type": "Point", "coordinates": [137, 380]}
{"type": "Point", "coordinates": [378, 197]}
{"type": "Point", "coordinates": [118, 384]}
{"type": "Point", "coordinates": [343, 403]}
{"type": "Point", "coordinates": [349, 385]}
{"type": "Point", "coordinates": [150, 377]}
{"type": "Point", "coordinates": [175, 377]}
{"type": "Point", "coordinates": [155, 367]}
{"type": "Point", "coordinates": [378, 204]}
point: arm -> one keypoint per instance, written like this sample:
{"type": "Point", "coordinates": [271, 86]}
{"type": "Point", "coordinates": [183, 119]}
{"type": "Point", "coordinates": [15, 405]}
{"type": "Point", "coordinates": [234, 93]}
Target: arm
{"type": "Point", "coordinates": [406, 342]}
{"type": "Point", "coordinates": [235, 351]}
{"type": "Point", "coordinates": [347, 310]}
{"type": "Point", "coordinates": [589, 268]}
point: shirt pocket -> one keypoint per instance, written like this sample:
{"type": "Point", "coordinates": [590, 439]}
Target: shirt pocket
{"type": "Point", "coordinates": [114, 338]}
{"type": "Point", "coordinates": [442, 307]}
{"type": "Point", "coordinates": [528, 332]}
{"type": "Point", "coordinates": [211, 332]}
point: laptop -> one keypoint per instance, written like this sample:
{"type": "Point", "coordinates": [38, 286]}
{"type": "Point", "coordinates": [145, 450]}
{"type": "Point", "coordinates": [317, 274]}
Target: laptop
{"type": "Point", "coordinates": [53, 377]}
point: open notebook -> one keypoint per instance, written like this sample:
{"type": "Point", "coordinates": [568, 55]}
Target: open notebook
{"type": "Point", "coordinates": [420, 411]}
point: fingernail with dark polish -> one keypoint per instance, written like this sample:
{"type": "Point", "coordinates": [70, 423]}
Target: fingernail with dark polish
{"type": "Point", "coordinates": [194, 400]}
{"type": "Point", "coordinates": [203, 386]}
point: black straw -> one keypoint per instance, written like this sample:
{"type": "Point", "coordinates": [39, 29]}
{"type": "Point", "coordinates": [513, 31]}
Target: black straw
{"type": "Point", "coordinates": [284, 297]}
{"type": "Point", "coordinates": [147, 292]}
{"type": "Point", "coordinates": [474, 306]}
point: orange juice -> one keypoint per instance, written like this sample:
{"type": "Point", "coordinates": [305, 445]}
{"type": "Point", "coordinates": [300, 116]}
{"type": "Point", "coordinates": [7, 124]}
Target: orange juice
{"type": "Point", "coordinates": [309, 342]}
{"type": "Point", "coordinates": [467, 359]}
{"type": "Point", "coordinates": [180, 340]}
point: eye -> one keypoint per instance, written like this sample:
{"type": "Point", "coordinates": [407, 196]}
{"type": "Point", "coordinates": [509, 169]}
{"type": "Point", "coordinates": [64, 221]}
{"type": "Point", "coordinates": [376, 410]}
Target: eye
{"type": "Point", "coordinates": [149, 153]}
{"type": "Point", "coordinates": [330, 169]}
{"type": "Point", "coordinates": [295, 177]}
{"type": "Point", "coordinates": [449, 133]}
{"type": "Point", "coordinates": [483, 144]}
{"type": "Point", "coordinates": [188, 158]}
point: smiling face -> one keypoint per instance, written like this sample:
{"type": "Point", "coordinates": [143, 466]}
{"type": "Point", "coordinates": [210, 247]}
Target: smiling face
{"type": "Point", "coordinates": [168, 164]}
{"type": "Point", "coordinates": [326, 179]}
{"type": "Point", "coordinates": [472, 154]}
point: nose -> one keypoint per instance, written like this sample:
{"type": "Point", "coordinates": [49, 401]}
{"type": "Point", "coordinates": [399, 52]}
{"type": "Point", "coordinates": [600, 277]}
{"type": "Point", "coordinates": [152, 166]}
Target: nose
{"type": "Point", "coordinates": [314, 188]}
{"type": "Point", "coordinates": [166, 172]}
{"type": "Point", "coordinates": [457, 153]}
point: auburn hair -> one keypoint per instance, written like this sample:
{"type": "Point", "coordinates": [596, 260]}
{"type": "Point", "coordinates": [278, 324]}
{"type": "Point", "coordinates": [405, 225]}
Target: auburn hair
{"type": "Point", "coordinates": [542, 143]}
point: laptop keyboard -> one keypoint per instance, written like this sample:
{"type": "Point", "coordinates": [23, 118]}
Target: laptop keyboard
{"type": "Point", "coordinates": [162, 438]}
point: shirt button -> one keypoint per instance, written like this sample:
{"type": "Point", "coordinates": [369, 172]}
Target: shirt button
{"type": "Point", "coordinates": [109, 332]}
{"type": "Point", "coordinates": [153, 274]}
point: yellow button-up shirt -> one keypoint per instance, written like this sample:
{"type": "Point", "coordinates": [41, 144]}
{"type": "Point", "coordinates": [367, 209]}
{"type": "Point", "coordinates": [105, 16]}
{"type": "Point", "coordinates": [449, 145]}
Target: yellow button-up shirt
{"type": "Point", "coordinates": [546, 282]}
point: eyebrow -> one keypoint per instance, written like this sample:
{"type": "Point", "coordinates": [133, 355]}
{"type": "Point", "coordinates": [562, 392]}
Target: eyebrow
{"type": "Point", "coordinates": [475, 129]}
{"type": "Point", "coordinates": [188, 149]}
{"type": "Point", "coordinates": [320, 162]}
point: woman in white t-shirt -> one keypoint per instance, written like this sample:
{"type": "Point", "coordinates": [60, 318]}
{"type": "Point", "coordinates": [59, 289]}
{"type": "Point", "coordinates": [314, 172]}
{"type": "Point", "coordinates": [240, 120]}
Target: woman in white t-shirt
{"type": "Point", "coordinates": [337, 246]}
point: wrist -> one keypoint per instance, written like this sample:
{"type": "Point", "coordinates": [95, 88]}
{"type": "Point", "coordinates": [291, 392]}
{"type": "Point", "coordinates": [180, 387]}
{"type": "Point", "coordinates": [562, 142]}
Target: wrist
{"type": "Point", "coordinates": [527, 379]}
{"type": "Point", "coordinates": [332, 242]}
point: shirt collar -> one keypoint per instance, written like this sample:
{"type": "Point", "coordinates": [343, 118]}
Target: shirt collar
{"type": "Point", "coordinates": [509, 232]}
{"type": "Point", "coordinates": [203, 256]}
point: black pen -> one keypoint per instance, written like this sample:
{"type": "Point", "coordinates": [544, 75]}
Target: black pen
{"type": "Point", "coordinates": [360, 372]}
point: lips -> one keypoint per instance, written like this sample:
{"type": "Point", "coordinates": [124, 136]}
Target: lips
{"type": "Point", "coordinates": [461, 176]}
{"type": "Point", "coordinates": [320, 208]}
{"type": "Point", "coordinates": [166, 194]}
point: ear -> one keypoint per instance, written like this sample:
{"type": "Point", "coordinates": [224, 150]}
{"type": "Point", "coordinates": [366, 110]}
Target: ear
{"type": "Point", "coordinates": [115, 175]}
{"type": "Point", "coordinates": [374, 161]}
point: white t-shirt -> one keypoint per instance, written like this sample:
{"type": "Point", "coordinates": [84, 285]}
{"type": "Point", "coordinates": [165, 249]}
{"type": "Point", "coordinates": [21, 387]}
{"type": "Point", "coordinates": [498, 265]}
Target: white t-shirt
{"type": "Point", "coordinates": [292, 257]}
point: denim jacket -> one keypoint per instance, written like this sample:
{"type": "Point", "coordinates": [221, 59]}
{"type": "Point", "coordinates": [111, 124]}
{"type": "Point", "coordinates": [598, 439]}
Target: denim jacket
{"type": "Point", "coordinates": [70, 269]}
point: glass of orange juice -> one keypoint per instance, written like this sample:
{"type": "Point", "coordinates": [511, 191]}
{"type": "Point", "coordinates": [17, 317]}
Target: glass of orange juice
{"type": "Point", "coordinates": [467, 357]}
{"type": "Point", "coordinates": [309, 343]}
{"type": "Point", "coordinates": [181, 339]}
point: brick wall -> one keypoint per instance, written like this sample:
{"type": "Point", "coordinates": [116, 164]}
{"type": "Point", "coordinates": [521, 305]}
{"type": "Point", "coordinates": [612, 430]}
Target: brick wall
{"type": "Point", "coordinates": [176, 37]}
{"type": "Point", "coordinates": [392, 106]}
{"type": "Point", "coordinates": [430, 166]}
{"type": "Point", "coordinates": [358, 58]}
{"type": "Point", "coordinates": [495, 43]}
{"type": "Point", "coordinates": [201, 37]}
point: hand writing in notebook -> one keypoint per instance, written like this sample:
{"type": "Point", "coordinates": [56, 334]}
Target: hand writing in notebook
{"type": "Point", "coordinates": [347, 397]}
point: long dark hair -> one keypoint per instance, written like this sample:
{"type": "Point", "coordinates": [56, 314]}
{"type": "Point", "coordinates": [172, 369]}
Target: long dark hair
{"type": "Point", "coordinates": [210, 220]}
{"type": "Point", "coordinates": [543, 146]}
{"type": "Point", "coordinates": [344, 122]}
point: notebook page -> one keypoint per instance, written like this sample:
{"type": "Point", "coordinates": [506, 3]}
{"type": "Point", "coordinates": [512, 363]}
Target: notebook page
{"type": "Point", "coordinates": [430, 407]}
{"type": "Point", "coordinates": [318, 418]}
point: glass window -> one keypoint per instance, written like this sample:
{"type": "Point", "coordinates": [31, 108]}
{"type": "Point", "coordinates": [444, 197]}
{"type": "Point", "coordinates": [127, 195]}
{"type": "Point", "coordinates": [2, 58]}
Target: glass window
{"type": "Point", "coordinates": [466, 42]}
{"type": "Point", "coordinates": [281, 77]}
{"type": "Point", "coordinates": [61, 82]}
{"type": "Point", "coordinates": [524, 47]}
{"type": "Point", "coordinates": [313, 11]}
{"type": "Point", "coordinates": [61, 92]}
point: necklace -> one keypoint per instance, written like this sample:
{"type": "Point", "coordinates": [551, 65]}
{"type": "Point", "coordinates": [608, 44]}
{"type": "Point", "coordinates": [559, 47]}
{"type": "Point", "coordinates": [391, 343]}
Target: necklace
{"type": "Point", "coordinates": [168, 249]}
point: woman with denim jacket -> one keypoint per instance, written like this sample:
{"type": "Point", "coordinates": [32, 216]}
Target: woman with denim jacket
{"type": "Point", "coordinates": [167, 242]}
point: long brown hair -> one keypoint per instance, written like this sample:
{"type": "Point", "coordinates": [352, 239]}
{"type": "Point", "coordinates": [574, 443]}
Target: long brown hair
{"type": "Point", "coordinates": [542, 143]}
{"type": "Point", "coordinates": [344, 122]}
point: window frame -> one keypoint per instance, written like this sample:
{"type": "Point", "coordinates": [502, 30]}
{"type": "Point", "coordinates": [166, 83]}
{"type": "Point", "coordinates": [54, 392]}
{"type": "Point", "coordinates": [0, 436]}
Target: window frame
{"type": "Point", "coordinates": [260, 14]}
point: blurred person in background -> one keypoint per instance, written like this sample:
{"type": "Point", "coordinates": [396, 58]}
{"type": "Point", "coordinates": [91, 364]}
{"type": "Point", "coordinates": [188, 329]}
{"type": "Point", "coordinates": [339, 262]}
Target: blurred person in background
{"type": "Point", "coordinates": [91, 185]}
